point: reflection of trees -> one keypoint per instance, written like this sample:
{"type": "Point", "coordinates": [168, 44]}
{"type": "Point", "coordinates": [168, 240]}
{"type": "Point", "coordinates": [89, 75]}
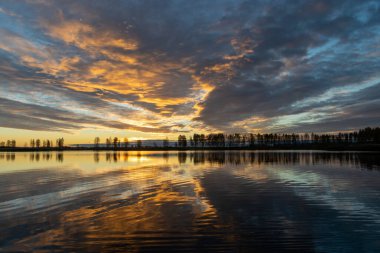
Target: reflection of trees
{"type": "Point", "coordinates": [368, 160]}
{"type": "Point", "coordinates": [182, 156]}
{"type": "Point", "coordinates": [8, 156]}
{"type": "Point", "coordinates": [116, 156]}
{"type": "Point", "coordinates": [59, 156]}
{"type": "Point", "coordinates": [112, 156]}
{"type": "Point", "coordinates": [357, 159]}
{"type": "Point", "coordinates": [46, 156]}
{"type": "Point", "coordinates": [165, 156]}
{"type": "Point", "coordinates": [152, 206]}
{"type": "Point", "coordinates": [125, 156]}
{"type": "Point", "coordinates": [96, 157]}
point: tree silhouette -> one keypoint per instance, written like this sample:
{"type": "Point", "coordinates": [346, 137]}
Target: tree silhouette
{"type": "Point", "coordinates": [96, 142]}
{"type": "Point", "coordinates": [126, 142]}
{"type": "Point", "coordinates": [196, 139]}
{"type": "Point", "coordinates": [251, 140]}
{"type": "Point", "coordinates": [191, 141]}
{"type": "Point", "coordinates": [60, 143]}
{"type": "Point", "coordinates": [202, 140]}
{"type": "Point", "coordinates": [115, 142]}
{"type": "Point", "coordinates": [13, 143]}
{"type": "Point", "coordinates": [165, 142]}
{"type": "Point", "coordinates": [108, 142]}
{"type": "Point", "coordinates": [182, 142]}
{"type": "Point", "coordinates": [363, 136]}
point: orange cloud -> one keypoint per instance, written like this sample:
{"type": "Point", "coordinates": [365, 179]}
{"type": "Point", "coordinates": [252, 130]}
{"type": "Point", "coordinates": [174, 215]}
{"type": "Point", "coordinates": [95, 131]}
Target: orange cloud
{"type": "Point", "coordinates": [86, 37]}
{"type": "Point", "coordinates": [123, 72]}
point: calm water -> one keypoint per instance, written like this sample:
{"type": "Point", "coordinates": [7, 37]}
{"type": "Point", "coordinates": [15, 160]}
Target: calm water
{"type": "Point", "coordinates": [202, 201]}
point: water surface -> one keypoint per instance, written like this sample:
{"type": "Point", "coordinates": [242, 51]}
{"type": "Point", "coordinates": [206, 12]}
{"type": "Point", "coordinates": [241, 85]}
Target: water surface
{"type": "Point", "coordinates": [190, 201]}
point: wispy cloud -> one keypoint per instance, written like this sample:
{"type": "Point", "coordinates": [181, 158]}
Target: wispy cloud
{"type": "Point", "coordinates": [171, 66]}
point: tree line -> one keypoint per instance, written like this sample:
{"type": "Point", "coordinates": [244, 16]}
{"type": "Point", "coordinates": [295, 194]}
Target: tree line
{"type": "Point", "coordinates": [114, 142]}
{"type": "Point", "coordinates": [8, 144]}
{"type": "Point", "coordinates": [367, 135]}
{"type": "Point", "coordinates": [35, 143]}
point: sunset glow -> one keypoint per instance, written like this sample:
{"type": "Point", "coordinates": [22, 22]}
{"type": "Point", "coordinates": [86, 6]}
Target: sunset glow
{"type": "Point", "coordinates": [156, 69]}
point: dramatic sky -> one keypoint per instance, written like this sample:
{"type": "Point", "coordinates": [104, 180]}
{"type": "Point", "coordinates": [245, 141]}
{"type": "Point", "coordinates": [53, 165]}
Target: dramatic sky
{"type": "Point", "coordinates": [149, 69]}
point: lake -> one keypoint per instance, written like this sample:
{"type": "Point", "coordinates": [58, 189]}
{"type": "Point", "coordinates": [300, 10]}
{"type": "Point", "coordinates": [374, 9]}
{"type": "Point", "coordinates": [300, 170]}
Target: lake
{"type": "Point", "coordinates": [233, 201]}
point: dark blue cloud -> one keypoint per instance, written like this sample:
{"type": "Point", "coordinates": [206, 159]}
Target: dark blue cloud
{"type": "Point", "coordinates": [278, 61]}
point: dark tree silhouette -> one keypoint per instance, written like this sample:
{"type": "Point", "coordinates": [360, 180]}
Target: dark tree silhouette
{"type": "Point", "coordinates": [196, 139]}
{"type": "Point", "coordinates": [126, 142]}
{"type": "Point", "coordinates": [115, 142]}
{"type": "Point", "coordinates": [367, 135]}
{"type": "Point", "coordinates": [202, 139]}
{"type": "Point", "coordinates": [96, 142]}
{"type": "Point", "coordinates": [165, 142]}
{"type": "Point", "coordinates": [60, 143]}
{"type": "Point", "coordinates": [108, 142]}
{"type": "Point", "coordinates": [182, 142]}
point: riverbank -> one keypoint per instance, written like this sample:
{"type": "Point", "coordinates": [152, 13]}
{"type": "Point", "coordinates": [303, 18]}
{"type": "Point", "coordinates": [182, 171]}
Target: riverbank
{"type": "Point", "coordinates": [335, 147]}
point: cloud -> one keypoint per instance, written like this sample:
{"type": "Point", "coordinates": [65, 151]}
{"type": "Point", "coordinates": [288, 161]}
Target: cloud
{"type": "Point", "coordinates": [34, 117]}
{"type": "Point", "coordinates": [289, 63]}
{"type": "Point", "coordinates": [190, 66]}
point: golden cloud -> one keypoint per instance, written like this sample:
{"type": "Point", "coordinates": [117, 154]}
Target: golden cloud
{"type": "Point", "coordinates": [85, 36]}
{"type": "Point", "coordinates": [123, 71]}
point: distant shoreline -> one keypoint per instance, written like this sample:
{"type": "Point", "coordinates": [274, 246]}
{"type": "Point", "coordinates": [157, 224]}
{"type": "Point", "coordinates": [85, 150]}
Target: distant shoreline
{"type": "Point", "coordinates": [322, 147]}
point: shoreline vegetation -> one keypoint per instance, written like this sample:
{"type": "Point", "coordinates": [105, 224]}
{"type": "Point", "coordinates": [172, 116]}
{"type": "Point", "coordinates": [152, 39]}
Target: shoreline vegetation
{"type": "Point", "coordinates": [322, 147]}
{"type": "Point", "coordinates": [367, 139]}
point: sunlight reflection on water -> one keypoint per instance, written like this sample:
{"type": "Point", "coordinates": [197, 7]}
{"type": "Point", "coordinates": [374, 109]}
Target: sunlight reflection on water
{"type": "Point", "coordinates": [190, 201]}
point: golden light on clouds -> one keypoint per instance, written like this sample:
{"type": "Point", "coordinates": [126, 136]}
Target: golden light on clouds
{"type": "Point", "coordinates": [152, 70]}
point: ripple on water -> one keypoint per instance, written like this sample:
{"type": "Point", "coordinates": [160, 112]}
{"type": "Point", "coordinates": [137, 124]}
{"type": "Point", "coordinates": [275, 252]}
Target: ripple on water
{"type": "Point", "coordinates": [195, 202]}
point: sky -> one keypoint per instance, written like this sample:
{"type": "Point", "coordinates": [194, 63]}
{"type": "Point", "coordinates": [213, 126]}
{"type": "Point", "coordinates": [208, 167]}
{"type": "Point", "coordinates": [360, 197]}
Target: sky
{"type": "Point", "coordinates": [151, 69]}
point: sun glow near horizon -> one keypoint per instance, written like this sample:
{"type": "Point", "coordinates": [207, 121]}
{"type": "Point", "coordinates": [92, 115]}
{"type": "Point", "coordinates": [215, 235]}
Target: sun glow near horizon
{"type": "Point", "coordinates": [78, 70]}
